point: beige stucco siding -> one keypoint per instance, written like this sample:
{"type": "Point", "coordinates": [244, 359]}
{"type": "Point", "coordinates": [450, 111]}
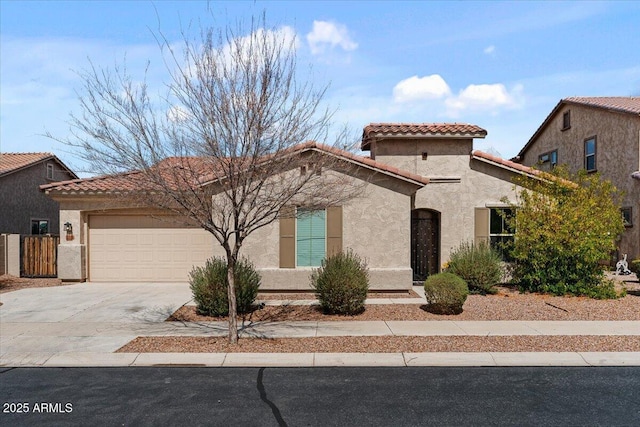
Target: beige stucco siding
{"type": "Point", "coordinates": [617, 154]}
{"type": "Point", "coordinates": [480, 186]}
{"type": "Point", "coordinates": [444, 157]}
{"type": "Point", "coordinates": [114, 243]}
{"type": "Point", "coordinates": [376, 226]}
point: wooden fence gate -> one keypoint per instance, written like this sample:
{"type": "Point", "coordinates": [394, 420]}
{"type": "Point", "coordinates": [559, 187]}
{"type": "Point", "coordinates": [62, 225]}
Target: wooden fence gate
{"type": "Point", "coordinates": [40, 256]}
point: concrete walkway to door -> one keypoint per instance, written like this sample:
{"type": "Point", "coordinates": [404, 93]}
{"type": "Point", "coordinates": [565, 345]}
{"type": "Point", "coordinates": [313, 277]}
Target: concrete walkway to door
{"type": "Point", "coordinates": [84, 324]}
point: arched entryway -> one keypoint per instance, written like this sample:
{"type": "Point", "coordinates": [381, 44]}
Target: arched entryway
{"type": "Point", "coordinates": [425, 243]}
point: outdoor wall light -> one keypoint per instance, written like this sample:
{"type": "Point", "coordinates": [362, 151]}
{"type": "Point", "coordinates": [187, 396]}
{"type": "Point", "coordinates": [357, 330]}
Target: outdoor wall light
{"type": "Point", "coordinates": [69, 229]}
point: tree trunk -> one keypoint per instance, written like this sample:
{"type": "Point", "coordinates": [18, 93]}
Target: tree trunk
{"type": "Point", "coordinates": [231, 295]}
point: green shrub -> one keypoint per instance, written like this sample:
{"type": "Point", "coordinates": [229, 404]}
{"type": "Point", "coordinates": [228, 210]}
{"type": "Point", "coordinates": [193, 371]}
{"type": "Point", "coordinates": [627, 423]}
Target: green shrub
{"type": "Point", "coordinates": [209, 287]}
{"type": "Point", "coordinates": [635, 266]}
{"type": "Point", "coordinates": [565, 226]}
{"type": "Point", "coordinates": [477, 264]}
{"type": "Point", "coordinates": [445, 293]}
{"type": "Point", "coordinates": [341, 283]}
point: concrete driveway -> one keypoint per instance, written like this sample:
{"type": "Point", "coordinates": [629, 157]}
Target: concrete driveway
{"type": "Point", "coordinates": [36, 323]}
{"type": "Point", "coordinates": [83, 324]}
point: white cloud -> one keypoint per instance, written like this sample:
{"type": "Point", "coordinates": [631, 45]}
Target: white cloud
{"type": "Point", "coordinates": [329, 34]}
{"type": "Point", "coordinates": [487, 97]}
{"type": "Point", "coordinates": [241, 47]}
{"type": "Point", "coordinates": [490, 50]}
{"type": "Point", "coordinates": [420, 88]}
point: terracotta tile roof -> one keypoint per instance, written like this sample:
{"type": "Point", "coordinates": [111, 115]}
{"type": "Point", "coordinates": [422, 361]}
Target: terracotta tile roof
{"type": "Point", "coordinates": [94, 185]}
{"type": "Point", "coordinates": [503, 163]}
{"type": "Point", "coordinates": [624, 104]}
{"type": "Point", "coordinates": [363, 161]}
{"type": "Point", "coordinates": [11, 162]}
{"type": "Point", "coordinates": [127, 182]}
{"type": "Point", "coordinates": [620, 104]}
{"type": "Point", "coordinates": [376, 130]}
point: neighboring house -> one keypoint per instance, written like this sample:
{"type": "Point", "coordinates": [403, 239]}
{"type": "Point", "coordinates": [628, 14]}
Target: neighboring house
{"type": "Point", "coordinates": [425, 192]}
{"type": "Point", "coordinates": [24, 209]}
{"type": "Point", "coordinates": [596, 134]}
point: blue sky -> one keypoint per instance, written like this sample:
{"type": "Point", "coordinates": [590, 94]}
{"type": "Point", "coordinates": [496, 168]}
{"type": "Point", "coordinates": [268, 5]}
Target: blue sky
{"type": "Point", "coordinates": [500, 65]}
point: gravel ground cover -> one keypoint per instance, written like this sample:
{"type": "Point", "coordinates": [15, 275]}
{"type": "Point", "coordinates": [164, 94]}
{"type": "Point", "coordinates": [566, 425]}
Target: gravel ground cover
{"type": "Point", "coordinates": [10, 283]}
{"type": "Point", "coordinates": [389, 344]}
{"type": "Point", "coordinates": [507, 304]}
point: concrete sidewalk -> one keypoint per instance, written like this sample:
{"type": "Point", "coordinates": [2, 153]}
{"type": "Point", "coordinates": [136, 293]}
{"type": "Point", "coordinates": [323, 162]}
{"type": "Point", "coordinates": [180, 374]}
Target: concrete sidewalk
{"type": "Point", "coordinates": [82, 325]}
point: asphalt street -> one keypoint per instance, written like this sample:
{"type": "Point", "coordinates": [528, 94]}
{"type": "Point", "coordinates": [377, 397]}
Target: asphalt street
{"type": "Point", "coordinates": [176, 396]}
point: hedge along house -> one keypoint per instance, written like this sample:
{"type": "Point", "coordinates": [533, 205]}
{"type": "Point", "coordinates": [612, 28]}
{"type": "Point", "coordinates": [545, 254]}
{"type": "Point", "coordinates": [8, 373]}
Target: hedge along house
{"type": "Point", "coordinates": [423, 192]}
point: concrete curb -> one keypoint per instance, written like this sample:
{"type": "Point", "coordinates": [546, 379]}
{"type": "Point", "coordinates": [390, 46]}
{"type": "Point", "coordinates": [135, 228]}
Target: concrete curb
{"type": "Point", "coordinates": [496, 359]}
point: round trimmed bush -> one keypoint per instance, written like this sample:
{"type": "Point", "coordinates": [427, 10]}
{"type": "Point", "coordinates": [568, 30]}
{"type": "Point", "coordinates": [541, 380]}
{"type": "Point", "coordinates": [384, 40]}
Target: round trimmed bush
{"type": "Point", "coordinates": [445, 293]}
{"type": "Point", "coordinates": [477, 264]}
{"type": "Point", "coordinates": [209, 286]}
{"type": "Point", "coordinates": [341, 283]}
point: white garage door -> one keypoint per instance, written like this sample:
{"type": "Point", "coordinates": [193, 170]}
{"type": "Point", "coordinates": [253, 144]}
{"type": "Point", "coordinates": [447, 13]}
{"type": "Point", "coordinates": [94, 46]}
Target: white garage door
{"type": "Point", "coordinates": [135, 248]}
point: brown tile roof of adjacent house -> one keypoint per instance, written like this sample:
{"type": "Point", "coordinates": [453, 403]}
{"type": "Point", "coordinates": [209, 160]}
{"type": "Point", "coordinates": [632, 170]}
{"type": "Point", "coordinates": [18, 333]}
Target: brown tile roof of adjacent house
{"type": "Point", "coordinates": [618, 104]}
{"type": "Point", "coordinates": [623, 104]}
{"type": "Point", "coordinates": [377, 130]}
{"type": "Point", "coordinates": [127, 181]}
{"type": "Point", "coordinates": [13, 162]}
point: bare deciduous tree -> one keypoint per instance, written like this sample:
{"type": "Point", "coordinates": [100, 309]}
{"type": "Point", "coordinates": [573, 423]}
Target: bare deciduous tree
{"type": "Point", "coordinates": [221, 147]}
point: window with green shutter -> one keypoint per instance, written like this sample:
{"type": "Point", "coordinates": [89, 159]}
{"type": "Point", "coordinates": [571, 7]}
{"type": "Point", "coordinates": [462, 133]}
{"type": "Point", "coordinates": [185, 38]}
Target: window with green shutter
{"type": "Point", "coordinates": [310, 237]}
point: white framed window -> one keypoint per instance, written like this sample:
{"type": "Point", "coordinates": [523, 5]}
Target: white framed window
{"type": "Point", "coordinates": [50, 171]}
{"type": "Point", "coordinates": [502, 230]}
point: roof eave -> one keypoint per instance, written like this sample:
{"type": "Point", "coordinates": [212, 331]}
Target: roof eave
{"type": "Point", "coordinates": [530, 172]}
{"type": "Point", "coordinates": [417, 181]}
{"type": "Point", "coordinates": [366, 142]}
{"type": "Point", "coordinates": [36, 162]}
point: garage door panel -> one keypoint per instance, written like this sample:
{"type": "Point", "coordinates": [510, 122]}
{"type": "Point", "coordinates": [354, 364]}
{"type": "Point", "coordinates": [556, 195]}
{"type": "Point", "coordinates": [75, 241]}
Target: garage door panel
{"type": "Point", "coordinates": [138, 248]}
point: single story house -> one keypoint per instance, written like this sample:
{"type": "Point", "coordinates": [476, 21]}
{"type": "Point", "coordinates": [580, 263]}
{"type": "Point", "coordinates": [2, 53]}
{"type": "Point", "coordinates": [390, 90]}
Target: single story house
{"type": "Point", "coordinates": [425, 191]}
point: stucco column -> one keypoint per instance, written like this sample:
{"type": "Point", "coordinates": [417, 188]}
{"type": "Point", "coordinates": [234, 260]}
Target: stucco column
{"type": "Point", "coordinates": [72, 248]}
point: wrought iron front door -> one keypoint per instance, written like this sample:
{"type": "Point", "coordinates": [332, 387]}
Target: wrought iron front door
{"type": "Point", "coordinates": [425, 243]}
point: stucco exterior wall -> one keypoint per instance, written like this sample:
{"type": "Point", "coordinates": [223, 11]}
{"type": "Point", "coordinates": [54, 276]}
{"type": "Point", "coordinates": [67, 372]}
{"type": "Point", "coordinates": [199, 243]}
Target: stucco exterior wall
{"type": "Point", "coordinates": [376, 225]}
{"type": "Point", "coordinates": [480, 186]}
{"type": "Point", "coordinates": [21, 199]}
{"type": "Point", "coordinates": [617, 155]}
{"type": "Point", "coordinates": [444, 156]}
{"type": "Point", "coordinates": [458, 184]}
{"type": "Point", "coordinates": [10, 254]}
